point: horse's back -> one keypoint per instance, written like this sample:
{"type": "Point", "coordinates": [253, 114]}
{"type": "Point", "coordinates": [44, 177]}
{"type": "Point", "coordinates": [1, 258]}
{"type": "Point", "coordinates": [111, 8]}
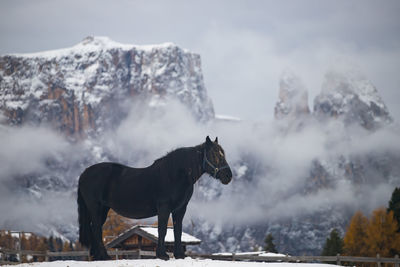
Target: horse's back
{"type": "Point", "coordinates": [101, 172]}
{"type": "Point", "coordinates": [96, 178]}
{"type": "Point", "coordinates": [118, 187]}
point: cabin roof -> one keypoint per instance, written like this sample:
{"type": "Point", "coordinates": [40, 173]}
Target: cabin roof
{"type": "Point", "coordinates": [151, 233]}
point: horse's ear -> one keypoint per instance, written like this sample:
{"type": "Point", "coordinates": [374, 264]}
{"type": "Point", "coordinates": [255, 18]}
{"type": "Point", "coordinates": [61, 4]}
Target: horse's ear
{"type": "Point", "coordinates": [216, 140]}
{"type": "Point", "coordinates": [208, 141]}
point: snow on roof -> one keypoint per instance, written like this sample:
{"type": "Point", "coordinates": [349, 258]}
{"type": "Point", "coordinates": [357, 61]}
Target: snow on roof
{"type": "Point", "coordinates": [151, 232]}
{"type": "Point", "coordinates": [16, 234]}
{"type": "Point", "coordinates": [169, 237]}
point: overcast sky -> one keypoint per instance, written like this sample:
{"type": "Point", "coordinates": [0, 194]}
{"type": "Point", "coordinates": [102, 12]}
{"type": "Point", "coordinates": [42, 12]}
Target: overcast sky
{"type": "Point", "coordinates": [244, 45]}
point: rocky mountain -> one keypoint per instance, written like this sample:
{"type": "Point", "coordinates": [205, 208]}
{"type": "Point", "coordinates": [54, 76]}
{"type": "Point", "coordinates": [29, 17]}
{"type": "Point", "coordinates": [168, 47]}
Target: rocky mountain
{"type": "Point", "coordinates": [296, 178]}
{"type": "Point", "coordinates": [350, 169]}
{"type": "Point", "coordinates": [352, 98]}
{"type": "Point", "coordinates": [83, 93]}
{"type": "Point", "coordinates": [340, 179]}
{"type": "Point", "coordinates": [83, 89]}
{"type": "Point", "coordinates": [293, 97]}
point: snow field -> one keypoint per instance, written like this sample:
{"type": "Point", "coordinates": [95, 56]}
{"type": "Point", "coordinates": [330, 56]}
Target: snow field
{"type": "Point", "coordinates": [188, 262]}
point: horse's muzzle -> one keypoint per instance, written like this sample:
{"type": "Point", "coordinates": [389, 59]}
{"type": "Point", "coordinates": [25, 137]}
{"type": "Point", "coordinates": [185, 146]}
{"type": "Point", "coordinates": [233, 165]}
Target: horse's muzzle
{"type": "Point", "coordinates": [226, 176]}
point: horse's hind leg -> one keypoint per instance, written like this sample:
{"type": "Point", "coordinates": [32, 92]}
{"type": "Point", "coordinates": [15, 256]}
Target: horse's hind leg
{"type": "Point", "coordinates": [103, 220]}
{"type": "Point", "coordinates": [98, 250]}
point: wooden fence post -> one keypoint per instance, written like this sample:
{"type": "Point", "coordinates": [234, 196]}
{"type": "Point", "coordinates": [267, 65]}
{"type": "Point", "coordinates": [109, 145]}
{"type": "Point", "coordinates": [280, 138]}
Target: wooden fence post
{"type": "Point", "coordinates": [19, 246]}
{"type": "Point", "coordinates": [116, 254]}
{"type": "Point", "coordinates": [396, 258]}
{"type": "Point", "coordinates": [378, 261]}
{"type": "Point", "coordinates": [139, 256]}
{"type": "Point", "coordinates": [46, 256]}
{"type": "Point", "coordinates": [338, 259]}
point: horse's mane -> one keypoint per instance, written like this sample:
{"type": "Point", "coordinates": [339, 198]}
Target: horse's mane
{"type": "Point", "coordinates": [176, 153]}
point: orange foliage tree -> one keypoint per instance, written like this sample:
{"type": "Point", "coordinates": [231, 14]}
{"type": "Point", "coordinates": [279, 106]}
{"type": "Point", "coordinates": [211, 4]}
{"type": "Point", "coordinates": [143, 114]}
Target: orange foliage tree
{"type": "Point", "coordinates": [369, 237]}
{"type": "Point", "coordinates": [114, 225]}
{"type": "Point", "coordinates": [353, 241]}
{"type": "Point", "coordinates": [381, 235]}
{"type": "Point", "coordinates": [6, 240]}
{"type": "Point", "coordinates": [67, 246]}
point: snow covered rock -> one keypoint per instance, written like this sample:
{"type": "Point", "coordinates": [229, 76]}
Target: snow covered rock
{"type": "Point", "coordinates": [84, 88]}
{"type": "Point", "coordinates": [293, 98]}
{"type": "Point", "coordinates": [352, 98]}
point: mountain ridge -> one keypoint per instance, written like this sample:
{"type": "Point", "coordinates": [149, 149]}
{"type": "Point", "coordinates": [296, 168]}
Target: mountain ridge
{"type": "Point", "coordinates": [297, 177]}
{"type": "Point", "coordinates": [86, 82]}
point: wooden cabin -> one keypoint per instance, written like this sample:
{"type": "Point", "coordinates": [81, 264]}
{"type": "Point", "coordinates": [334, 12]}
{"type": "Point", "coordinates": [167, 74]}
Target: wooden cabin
{"type": "Point", "coordinates": [145, 237]}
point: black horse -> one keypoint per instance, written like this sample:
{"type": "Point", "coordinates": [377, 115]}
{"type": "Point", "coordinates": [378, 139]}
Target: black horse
{"type": "Point", "coordinates": [163, 188]}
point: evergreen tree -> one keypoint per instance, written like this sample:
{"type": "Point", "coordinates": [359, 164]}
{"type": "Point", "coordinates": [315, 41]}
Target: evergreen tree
{"type": "Point", "coordinates": [58, 244]}
{"type": "Point", "coordinates": [269, 244]}
{"type": "Point", "coordinates": [394, 206]}
{"type": "Point", "coordinates": [333, 244]}
{"type": "Point", "coordinates": [353, 241]}
{"type": "Point", "coordinates": [50, 243]}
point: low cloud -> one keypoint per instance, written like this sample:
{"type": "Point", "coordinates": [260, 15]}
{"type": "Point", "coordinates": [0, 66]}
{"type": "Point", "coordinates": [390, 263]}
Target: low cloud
{"type": "Point", "coordinates": [24, 150]}
{"type": "Point", "coordinates": [280, 172]}
{"type": "Point", "coordinates": [25, 155]}
{"type": "Point", "coordinates": [271, 166]}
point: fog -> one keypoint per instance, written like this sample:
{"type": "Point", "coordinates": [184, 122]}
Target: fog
{"type": "Point", "coordinates": [271, 166]}
{"type": "Point", "coordinates": [26, 152]}
{"type": "Point", "coordinates": [283, 171]}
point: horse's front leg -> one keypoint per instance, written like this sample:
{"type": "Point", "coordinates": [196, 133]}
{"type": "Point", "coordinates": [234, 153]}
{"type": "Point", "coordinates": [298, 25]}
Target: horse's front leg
{"type": "Point", "coordinates": [177, 217]}
{"type": "Point", "coordinates": [163, 215]}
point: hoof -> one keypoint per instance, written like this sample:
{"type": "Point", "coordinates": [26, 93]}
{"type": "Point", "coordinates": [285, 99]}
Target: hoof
{"type": "Point", "coordinates": [102, 258]}
{"type": "Point", "coordinates": [163, 256]}
{"type": "Point", "coordinates": [179, 255]}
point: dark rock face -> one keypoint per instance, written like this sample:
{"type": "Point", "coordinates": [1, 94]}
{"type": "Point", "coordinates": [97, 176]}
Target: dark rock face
{"type": "Point", "coordinates": [83, 89]}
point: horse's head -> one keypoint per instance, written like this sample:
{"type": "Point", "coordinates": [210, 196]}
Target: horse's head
{"type": "Point", "coordinates": [214, 162]}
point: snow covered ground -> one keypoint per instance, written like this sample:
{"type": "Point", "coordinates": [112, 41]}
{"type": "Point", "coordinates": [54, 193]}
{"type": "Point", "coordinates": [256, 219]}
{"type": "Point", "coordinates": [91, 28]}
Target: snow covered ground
{"type": "Point", "coordinates": [188, 262]}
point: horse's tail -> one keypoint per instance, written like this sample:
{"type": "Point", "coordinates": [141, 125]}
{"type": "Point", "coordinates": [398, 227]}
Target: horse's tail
{"type": "Point", "coordinates": [84, 221]}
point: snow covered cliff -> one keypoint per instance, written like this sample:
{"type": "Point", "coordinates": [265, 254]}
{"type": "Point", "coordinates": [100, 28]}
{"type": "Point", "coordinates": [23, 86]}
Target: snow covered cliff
{"type": "Point", "coordinates": [83, 88]}
{"type": "Point", "coordinates": [352, 98]}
